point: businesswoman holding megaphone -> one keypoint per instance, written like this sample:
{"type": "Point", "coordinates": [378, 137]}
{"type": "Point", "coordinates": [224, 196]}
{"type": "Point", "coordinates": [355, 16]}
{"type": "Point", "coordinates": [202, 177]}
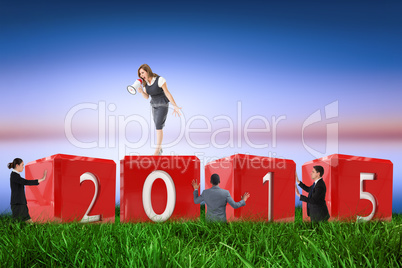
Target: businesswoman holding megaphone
{"type": "Point", "coordinates": [155, 86]}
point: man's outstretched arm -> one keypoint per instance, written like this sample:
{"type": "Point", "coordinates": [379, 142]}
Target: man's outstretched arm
{"type": "Point", "coordinates": [234, 204]}
{"type": "Point", "coordinates": [197, 199]}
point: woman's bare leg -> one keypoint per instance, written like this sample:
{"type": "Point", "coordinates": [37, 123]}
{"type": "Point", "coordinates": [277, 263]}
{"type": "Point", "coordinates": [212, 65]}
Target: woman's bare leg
{"type": "Point", "coordinates": [159, 137]}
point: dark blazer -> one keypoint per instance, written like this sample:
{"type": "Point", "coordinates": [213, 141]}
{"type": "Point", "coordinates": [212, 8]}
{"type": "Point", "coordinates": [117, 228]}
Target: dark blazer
{"type": "Point", "coordinates": [316, 206]}
{"type": "Point", "coordinates": [17, 184]}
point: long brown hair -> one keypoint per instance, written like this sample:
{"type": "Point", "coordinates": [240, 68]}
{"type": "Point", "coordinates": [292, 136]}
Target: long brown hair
{"type": "Point", "coordinates": [146, 68]}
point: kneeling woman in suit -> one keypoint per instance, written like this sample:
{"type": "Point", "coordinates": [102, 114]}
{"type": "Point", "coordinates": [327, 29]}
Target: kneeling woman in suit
{"type": "Point", "coordinates": [18, 202]}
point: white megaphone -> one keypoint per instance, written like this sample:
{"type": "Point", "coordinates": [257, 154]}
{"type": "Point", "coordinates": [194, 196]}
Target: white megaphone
{"type": "Point", "coordinates": [132, 89]}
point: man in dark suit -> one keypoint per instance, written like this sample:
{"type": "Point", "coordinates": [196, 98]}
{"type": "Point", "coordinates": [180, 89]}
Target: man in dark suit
{"type": "Point", "coordinates": [316, 205]}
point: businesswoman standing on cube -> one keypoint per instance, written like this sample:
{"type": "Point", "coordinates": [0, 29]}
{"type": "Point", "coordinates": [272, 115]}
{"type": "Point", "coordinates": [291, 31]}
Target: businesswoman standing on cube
{"type": "Point", "coordinates": [18, 202]}
{"type": "Point", "coordinates": [155, 86]}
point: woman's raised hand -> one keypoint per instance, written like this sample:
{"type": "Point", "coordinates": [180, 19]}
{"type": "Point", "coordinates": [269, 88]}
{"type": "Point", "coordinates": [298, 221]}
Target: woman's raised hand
{"type": "Point", "coordinates": [140, 89]}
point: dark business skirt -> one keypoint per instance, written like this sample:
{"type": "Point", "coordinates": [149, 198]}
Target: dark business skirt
{"type": "Point", "coordinates": [20, 212]}
{"type": "Point", "coordinates": [159, 113]}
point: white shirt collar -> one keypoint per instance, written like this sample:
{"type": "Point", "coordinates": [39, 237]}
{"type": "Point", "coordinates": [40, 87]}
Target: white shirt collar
{"type": "Point", "coordinates": [318, 180]}
{"type": "Point", "coordinates": [15, 171]}
{"type": "Point", "coordinates": [152, 81]}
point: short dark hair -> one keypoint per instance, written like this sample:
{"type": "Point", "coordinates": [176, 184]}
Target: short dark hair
{"type": "Point", "coordinates": [215, 180]}
{"type": "Point", "coordinates": [320, 170]}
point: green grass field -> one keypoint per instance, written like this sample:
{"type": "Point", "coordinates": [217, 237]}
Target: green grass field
{"type": "Point", "coordinates": [197, 244]}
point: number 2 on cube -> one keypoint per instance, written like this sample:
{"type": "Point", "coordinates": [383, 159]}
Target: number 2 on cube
{"type": "Point", "coordinates": [87, 176]}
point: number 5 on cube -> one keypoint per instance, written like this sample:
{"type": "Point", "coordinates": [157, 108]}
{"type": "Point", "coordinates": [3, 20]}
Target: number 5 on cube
{"type": "Point", "coordinates": [358, 188]}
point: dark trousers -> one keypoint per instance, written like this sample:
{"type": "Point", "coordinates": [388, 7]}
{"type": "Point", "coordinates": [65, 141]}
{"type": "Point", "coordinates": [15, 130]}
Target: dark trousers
{"type": "Point", "coordinates": [20, 212]}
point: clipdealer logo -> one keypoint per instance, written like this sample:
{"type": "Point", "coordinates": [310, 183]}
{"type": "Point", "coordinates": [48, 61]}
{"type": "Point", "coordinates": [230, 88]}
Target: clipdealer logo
{"type": "Point", "coordinates": [332, 140]}
{"type": "Point", "coordinates": [112, 129]}
{"type": "Point", "coordinates": [238, 130]}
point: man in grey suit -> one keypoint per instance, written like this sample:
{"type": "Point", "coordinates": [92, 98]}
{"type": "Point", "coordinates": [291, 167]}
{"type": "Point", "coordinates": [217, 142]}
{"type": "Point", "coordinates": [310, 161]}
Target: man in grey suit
{"type": "Point", "coordinates": [216, 200]}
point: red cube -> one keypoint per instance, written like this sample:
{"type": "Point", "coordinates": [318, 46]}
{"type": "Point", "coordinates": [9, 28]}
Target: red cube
{"type": "Point", "coordinates": [76, 189]}
{"type": "Point", "coordinates": [270, 182]}
{"type": "Point", "coordinates": [358, 188]}
{"type": "Point", "coordinates": [158, 188]}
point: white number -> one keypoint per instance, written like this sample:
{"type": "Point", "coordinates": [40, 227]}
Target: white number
{"type": "Point", "coordinates": [171, 196]}
{"type": "Point", "coordinates": [268, 177]}
{"type": "Point", "coordinates": [87, 176]}
{"type": "Point", "coordinates": [366, 195]}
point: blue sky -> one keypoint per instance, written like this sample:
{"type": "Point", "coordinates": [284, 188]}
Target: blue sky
{"type": "Point", "coordinates": [288, 59]}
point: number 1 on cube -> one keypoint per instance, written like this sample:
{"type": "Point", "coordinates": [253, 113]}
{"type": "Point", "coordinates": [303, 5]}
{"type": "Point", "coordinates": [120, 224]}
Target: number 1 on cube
{"type": "Point", "coordinates": [268, 177]}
